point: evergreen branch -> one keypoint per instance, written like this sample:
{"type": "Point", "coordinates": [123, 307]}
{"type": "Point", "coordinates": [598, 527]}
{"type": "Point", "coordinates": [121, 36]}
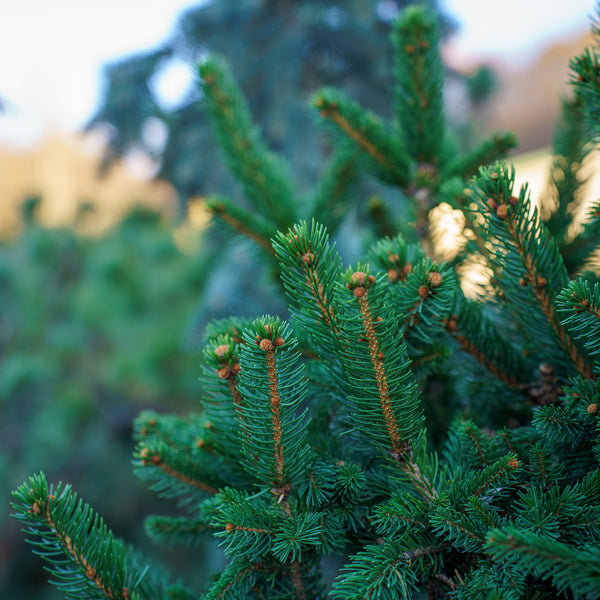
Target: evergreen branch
{"type": "Point", "coordinates": [383, 396]}
{"type": "Point", "coordinates": [273, 386]}
{"type": "Point", "coordinates": [174, 473]}
{"type": "Point", "coordinates": [263, 175]}
{"type": "Point", "coordinates": [84, 556]}
{"type": "Point", "coordinates": [580, 306]}
{"type": "Point", "coordinates": [460, 529]}
{"type": "Point", "coordinates": [490, 150]}
{"type": "Point", "coordinates": [419, 104]}
{"type": "Point", "coordinates": [366, 133]}
{"type": "Point", "coordinates": [242, 221]}
{"type": "Point", "coordinates": [310, 268]}
{"type": "Point", "coordinates": [236, 582]}
{"type": "Point", "coordinates": [390, 569]}
{"type": "Point", "coordinates": [178, 530]}
{"type": "Point", "coordinates": [585, 79]}
{"type": "Point", "coordinates": [402, 513]}
{"type": "Point", "coordinates": [522, 242]}
{"type": "Point", "coordinates": [490, 580]}
{"type": "Point", "coordinates": [478, 335]}
{"type": "Point", "coordinates": [424, 300]}
{"type": "Point", "coordinates": [222, 354]}
{"type": "Point", "coordinates": [575, 568]}
{"type": "Point", "coordinates": [394, 256]}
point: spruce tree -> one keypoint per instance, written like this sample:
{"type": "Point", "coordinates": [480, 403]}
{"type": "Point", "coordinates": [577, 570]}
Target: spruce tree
{"type": "Point", "coordinates": [440, 445]}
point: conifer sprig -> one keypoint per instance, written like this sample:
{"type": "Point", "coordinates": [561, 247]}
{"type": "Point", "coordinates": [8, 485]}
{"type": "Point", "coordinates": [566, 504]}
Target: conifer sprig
{"type": "Point", "coordinates": [569, 568]}
{"type": "Point", "coordinates": [419, 104]}
{"type": "Point", "coordinates": [367, 134]}
{"type": "Point", "coordinates": [264, 175]}
{"type": "Point", "coordinates": [522, 244]}
{"type": "Point", "coordinates": [273, 386]}
{"type": "Point", "coordinates": [86, 559]}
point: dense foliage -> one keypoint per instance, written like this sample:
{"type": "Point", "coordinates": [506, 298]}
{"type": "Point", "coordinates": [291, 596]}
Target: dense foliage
{"type": "Point", "coordinates": [433, 444]}
{"type": "Point", "coordinates": [91, 329]}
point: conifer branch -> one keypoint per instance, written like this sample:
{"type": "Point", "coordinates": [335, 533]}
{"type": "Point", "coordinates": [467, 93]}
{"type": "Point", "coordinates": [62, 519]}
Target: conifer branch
{"type": "Point", "coordinates": [153, 459]}
{"type": "Point", "coordinates": [470, 347]}
{"type": "Point", "coordinates": [398, 446]}
{"type": "Point", "coordinates": [490, 150]}
{"type": "Point", "coordinates": [242, 221]}
{"type": "Point", "coordinates": [263, 175]}
{"type": "Point", "coordinates": [516, 231]}
{"type": "Point", "coordinates": [275, 406]}
{"type": "Point", "coordinates": [538, 284]}
{"type": "Point", "coordinates": [83, 554]}
{"type": "Point", "coordinates": [419, 107]}
{"type": "Point", "coordinates": [569, 567]}
{"type": "Point", "coordinates": [365, 132]}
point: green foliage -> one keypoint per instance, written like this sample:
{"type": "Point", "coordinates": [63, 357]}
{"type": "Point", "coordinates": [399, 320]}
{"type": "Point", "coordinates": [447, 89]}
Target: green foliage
{"type": "Point", "coordinates": [318, 436]}
{"type": "Point", "coordinates": [91, 329]}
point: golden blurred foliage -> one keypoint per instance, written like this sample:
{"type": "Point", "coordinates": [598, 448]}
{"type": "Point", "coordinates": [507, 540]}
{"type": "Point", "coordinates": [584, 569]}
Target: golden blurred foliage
{"type": "Point", "coordinates": [64, 172]}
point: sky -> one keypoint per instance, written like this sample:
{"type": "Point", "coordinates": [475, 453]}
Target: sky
{"type": "Point", "coordinates": [53, 51]}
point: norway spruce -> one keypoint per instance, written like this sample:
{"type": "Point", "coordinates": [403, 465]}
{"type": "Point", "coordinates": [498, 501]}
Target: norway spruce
{"type": "Point", "coordinates": [440, 445]}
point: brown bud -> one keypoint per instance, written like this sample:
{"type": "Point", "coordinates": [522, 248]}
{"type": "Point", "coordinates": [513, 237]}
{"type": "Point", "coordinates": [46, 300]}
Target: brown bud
{"type": "Point", "coordinates": [266, 344]}
{"type": "Point", "coordinates": [501, 211]}
{"type": "Point", "coordinates": [308, 258]}
{"type": "Point", "coordinates": [492, 203]}
{"type": "Point", "coordinates": [407, 268]}
{"type": "Point", "coordinates": [236, 368]}
{"type": "Point", "coordinates": [125, 593]}
{"type": "Point", "coordinates": [359, 292]}
{"type": "Point", "coordinates": [410, 49]}
{"type": "Point", "coordinates": [359, 277]}
{"type": "Point", "coordinates": [36, 508]}
{"type": "Point", "coordinates": [278, 341]}
{"type": "Point", "coordinates": [523, 282]}
{"type": "Point", "coordinates": [380, 356]}
{"type": "Point", "coordinates": [152, 422]}
{"type": "Point", "coordinates": [221, 350]}
{"type": "Point", "coordinates": [229, 527]}
{"type": "Point", "coordinates": [144, 452]}
{"type": "Point", "coordinates": [434, 278]}
{"type": "Point", "coordinates": [452, 324]}
{"type": "Point", "coordinates": [90, 572]}
{"type": "Point", "coordinates": [541, 282]}
{"type": "Point", "coordinates": [199, 443]}
{"type": "Point", "coordinates": [513, 463]}
{"type": "Point", "coordinates": [379, 319]}
{"type": "Point", "coordinates": [393, 275]}
{"type": "Point", "coordinates": [513, 200]}
{"type": "Point", "coordinates": [156, 459]}
{"type": "Point", "coordinates": [223, 372]}
{"type": "Point", "coordinates": [423, 291]}
{"type": "Point", "coordinates": [371, 279]}
{"type": "Point", "coordinates": [592, 408]}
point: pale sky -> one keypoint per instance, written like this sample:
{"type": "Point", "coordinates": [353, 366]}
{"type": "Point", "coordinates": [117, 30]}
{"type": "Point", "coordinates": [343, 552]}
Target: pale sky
{"type": "Point", "coordinates": [52, 50]}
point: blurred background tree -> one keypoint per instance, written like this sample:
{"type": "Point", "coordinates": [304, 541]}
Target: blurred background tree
{"type": "Point", "coordinates": [280, 51]}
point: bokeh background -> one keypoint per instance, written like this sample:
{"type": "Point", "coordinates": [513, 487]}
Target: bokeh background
{"type": "Point", "coordinates": [107, 273]}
